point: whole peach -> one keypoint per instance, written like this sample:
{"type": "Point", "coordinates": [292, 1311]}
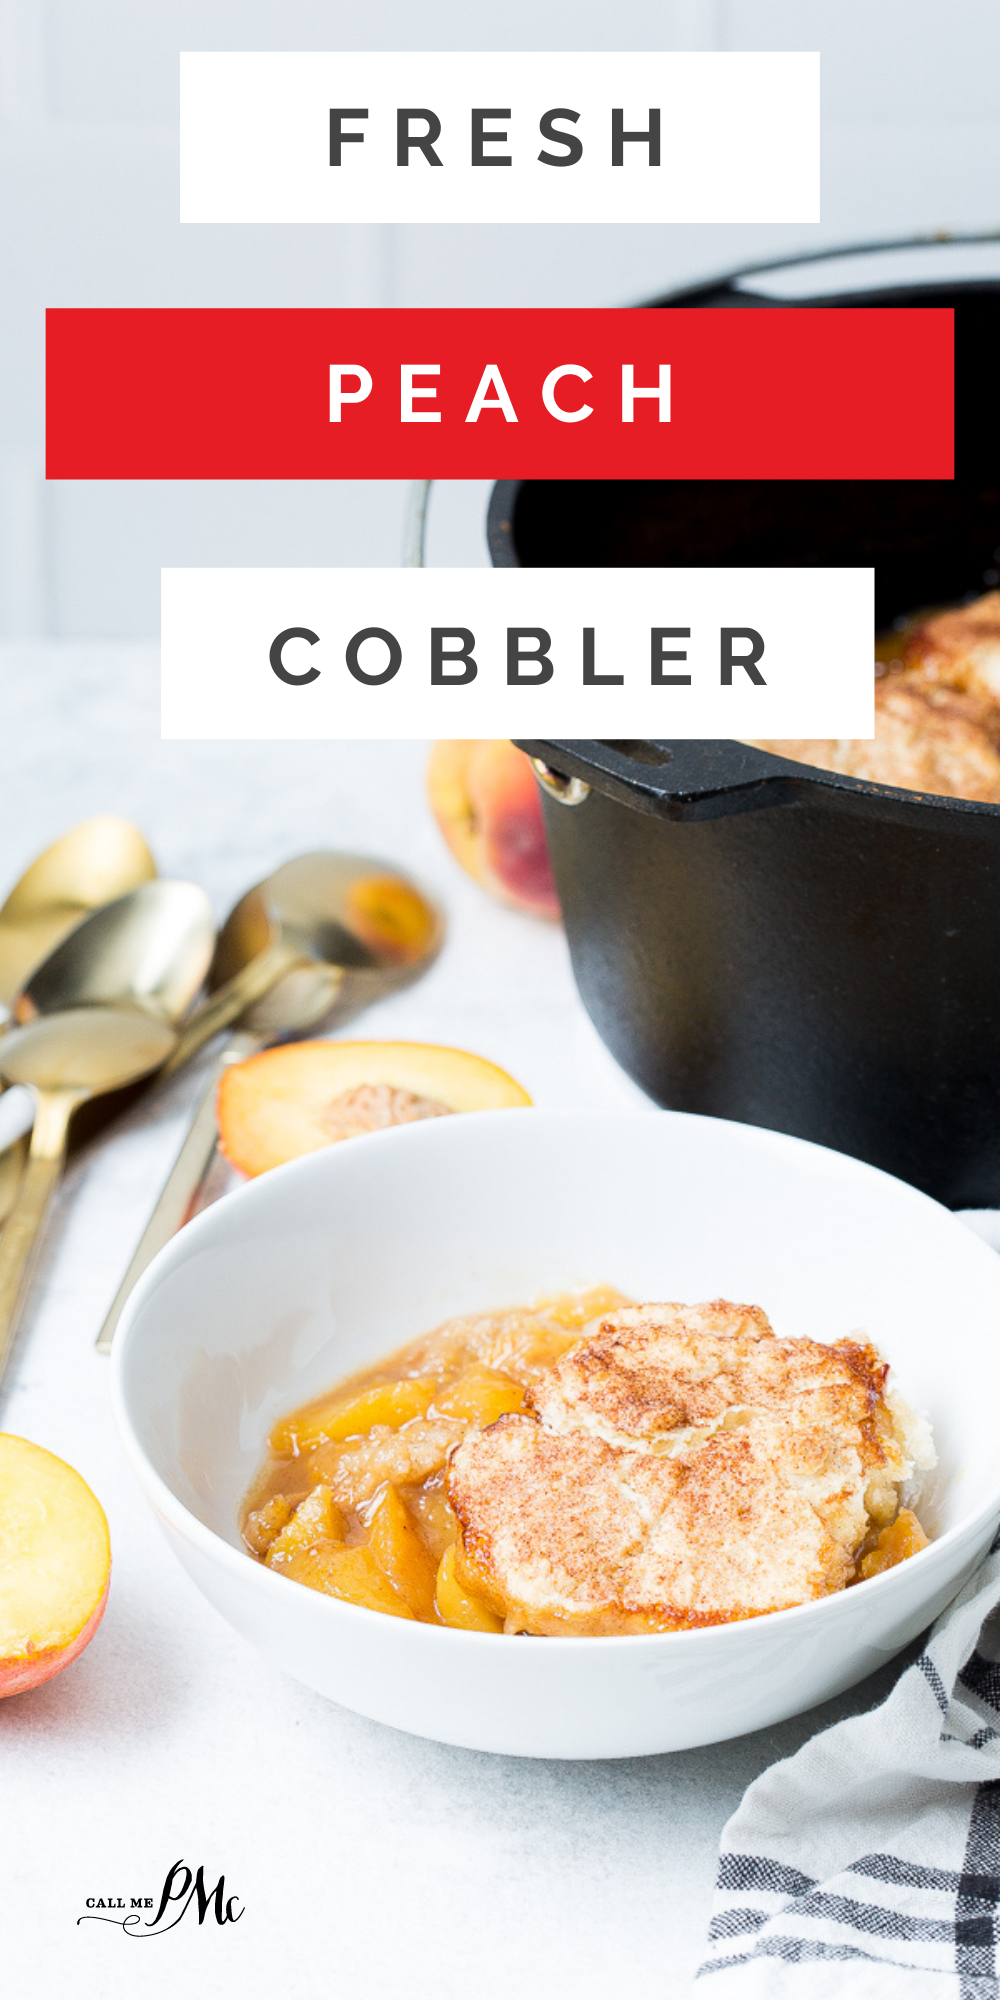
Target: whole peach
{"type": "Point", "coordinates": [486, 801]}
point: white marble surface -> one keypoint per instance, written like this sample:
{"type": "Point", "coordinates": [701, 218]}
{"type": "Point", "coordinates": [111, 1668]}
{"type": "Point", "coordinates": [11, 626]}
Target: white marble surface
{"type": "Point", "coordinates": [369, 1863]}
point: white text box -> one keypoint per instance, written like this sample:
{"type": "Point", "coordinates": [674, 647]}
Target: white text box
{"type": "Point", "coordinates": [281, 653]}
{"type": "Point", "coordinates": [268, 137]}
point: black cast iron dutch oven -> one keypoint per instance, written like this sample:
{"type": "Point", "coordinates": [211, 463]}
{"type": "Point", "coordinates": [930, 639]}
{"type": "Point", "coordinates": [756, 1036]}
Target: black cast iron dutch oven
{"type": "Point", "coordinates": [761, 940]}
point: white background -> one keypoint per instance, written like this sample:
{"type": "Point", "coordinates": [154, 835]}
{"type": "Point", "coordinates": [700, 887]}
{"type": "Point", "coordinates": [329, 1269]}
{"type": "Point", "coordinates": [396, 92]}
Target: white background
{"type": "Point", "coordinates": [738, 138]}
{"type": "Point", "coordinates": [89, 216]}
{"type": "Point", "coordinates": [218, 625]}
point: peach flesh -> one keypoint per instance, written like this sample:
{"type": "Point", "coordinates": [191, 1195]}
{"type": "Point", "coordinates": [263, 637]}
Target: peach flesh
{"type": "Point", "coordinates": [55, 1564]}
{"type": "Point", "coordinates": [16, 1676]}
{"type": "Point", "coordinates": [294, 1099]}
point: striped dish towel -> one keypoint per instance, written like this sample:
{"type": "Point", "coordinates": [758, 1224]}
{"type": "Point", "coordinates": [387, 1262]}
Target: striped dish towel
{"type": "Point", "coordinates": [867, 1866]}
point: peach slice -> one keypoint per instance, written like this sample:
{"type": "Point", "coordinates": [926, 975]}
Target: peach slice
{"type": "Point", "coordinates": [349, 1573]}
{"type": "Point", "coordinates": [401, 1555]}
{"type": "Point", "coordinates": [340, 1417]}
{"type": "Point", "coordinates": [303, 1095]}
{"type": "Point", "coordinates": [480, 1395]}
{"type": "Point", "coordinates": [55, 1562]}
{"type": "Point", "coordinates": [458, 1606]}
{"type": "Point", "coordinates": [905, 1537]}
{"type": "Point", "coordinates": [486, 801]}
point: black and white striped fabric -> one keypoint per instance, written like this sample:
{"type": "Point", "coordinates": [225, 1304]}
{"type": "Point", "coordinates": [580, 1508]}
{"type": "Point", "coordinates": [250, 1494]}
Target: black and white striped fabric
{"type": "Point", "coordinates": [867, 1867]}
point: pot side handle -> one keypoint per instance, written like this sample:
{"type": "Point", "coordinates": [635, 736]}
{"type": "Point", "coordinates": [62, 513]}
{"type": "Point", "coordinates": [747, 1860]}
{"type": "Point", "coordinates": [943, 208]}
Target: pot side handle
{"type": "Point", "coordinates": [701, 779]}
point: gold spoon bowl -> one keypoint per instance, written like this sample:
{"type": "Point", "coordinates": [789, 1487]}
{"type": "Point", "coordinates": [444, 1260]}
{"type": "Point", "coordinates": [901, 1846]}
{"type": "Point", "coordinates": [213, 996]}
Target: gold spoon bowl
{"type": "Point", "coordinates": [150, 949]}
{"type": "Point", "coordinates": [100, 1013]}
{"type": "Point", "coordinates": [98, 860]}
{"type": "Point", "coordinates": [343, 923]}
{"type": "Point", "coordinates": [92, 864]}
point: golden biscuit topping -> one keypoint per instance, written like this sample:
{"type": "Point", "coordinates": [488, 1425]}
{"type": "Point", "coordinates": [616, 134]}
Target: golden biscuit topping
{"type": "Point", "coordinates": [679, 1465]}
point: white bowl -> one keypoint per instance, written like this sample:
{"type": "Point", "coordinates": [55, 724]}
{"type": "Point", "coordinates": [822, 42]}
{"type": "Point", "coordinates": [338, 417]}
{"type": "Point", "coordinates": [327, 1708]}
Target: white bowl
{"type": "Point", "coordinates": [331, 1262]}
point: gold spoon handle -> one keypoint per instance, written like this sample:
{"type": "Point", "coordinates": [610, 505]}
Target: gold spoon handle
{"type": "Point", "coordinates": [182, 1182]}
{"type": "Point", "coordinates": [22, 1235]}
{"type": "Point", "coordinates": [12, 1161]}
{"type": "Point", "coordinates": [233, 999]}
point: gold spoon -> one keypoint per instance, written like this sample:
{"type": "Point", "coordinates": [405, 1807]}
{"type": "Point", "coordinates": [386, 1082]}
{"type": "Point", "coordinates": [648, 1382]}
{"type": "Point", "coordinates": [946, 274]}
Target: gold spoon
{"type": "Point", "coordinates": [12, 1160]}
{"type": "Point", "coordinates": [100, 1013]}
{"type": "Point", "coordinates": [324, 929]}
{"type": "Point", "coordinates": [64, 1059]}
{"type": "Point", "coordinates": [96, 861]}
{"type": "Point", "coordinates": [331, 919]}
{"type": "Point", "coordinates": [150, 949]}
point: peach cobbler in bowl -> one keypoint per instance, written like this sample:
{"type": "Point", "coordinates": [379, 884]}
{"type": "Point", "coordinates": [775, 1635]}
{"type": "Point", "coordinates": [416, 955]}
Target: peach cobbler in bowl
{"type": "Point", "coordinates": [598, 1525]}
{"type": "Point", "coordinates": [588, 1468]}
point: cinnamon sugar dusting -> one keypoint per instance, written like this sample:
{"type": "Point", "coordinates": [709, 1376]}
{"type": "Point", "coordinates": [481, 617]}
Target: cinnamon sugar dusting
{"type": "Point", "coordinates": [679, 1466]}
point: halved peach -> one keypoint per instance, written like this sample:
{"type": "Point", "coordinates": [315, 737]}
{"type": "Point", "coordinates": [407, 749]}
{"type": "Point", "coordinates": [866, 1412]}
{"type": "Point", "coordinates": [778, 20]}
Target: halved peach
{"type": "Point", "coordinates": [303, 1095]}
{"type": "Point", "coordinates": [485, 799]}
{"type": "Point", "coordinates": [55, 1564]}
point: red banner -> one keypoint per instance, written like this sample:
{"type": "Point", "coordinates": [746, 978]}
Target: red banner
{"type": "Point", "coordinates": [809, 393]}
